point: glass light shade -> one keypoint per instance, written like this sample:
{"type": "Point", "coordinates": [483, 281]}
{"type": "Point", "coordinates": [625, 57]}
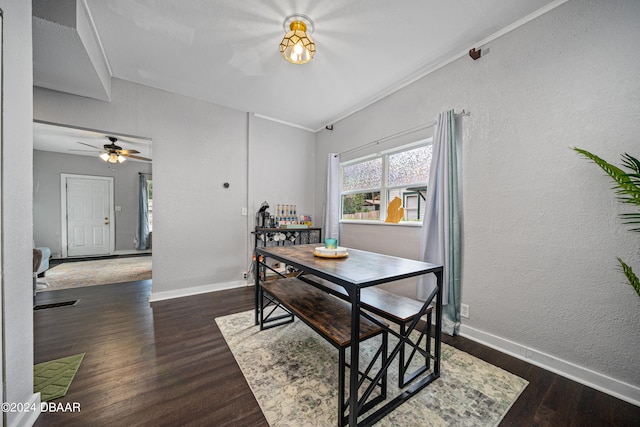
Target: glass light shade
{"type": "Point", "coordinates": [296, 46]}
{"type": "Point", "coordinates": [112, 157]}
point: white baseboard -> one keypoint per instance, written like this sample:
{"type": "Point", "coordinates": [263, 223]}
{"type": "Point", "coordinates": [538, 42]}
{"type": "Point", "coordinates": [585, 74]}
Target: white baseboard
{"type": "Point", "coordinates": [132, 252]}
{"type": "Point", "coordinates": [179, 293]}
{"type": "Point", "coordinates": [621, 390]}
{"type": "Point", "coordinates": [27, 418]}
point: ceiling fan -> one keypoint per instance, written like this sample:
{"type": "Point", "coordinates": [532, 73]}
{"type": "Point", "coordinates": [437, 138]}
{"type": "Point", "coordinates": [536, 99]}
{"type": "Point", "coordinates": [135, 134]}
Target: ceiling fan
{"type": "Point", "coordinates": [113, 153]}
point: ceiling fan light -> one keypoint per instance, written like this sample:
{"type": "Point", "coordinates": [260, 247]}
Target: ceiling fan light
{"type": "Point", "coordinates": [121, 158]}
{"type": "Point", "coordinates": [296, 46]}
{"type": "Point", "coordinates": [104, 156]}
{"type": "Point", "coordinates": [113, 158]}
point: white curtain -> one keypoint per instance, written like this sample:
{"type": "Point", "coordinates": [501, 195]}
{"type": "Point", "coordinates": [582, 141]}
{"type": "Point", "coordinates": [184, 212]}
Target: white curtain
{"type": "Point", "coordinates": [332, 198]}
{"type": "Point", "coordinates": [440, 239]}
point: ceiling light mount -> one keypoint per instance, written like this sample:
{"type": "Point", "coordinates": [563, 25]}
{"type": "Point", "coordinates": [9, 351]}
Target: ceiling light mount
{"type": "Point", "coordinates": [286, 25]}
{"type": "Point", "coordinates": [296, 46]}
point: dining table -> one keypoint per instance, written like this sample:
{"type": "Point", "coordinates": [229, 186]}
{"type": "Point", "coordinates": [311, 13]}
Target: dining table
{"type": "Point", "coordinates": [356, 271]}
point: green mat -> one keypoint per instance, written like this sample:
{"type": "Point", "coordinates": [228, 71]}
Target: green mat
{"type": "Point", "coordinates": [52, 379]}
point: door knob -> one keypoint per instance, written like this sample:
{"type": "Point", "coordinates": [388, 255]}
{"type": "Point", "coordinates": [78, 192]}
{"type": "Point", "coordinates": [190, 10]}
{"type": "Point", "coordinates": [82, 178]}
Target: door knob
{"type": "Point", "coordinates": [106, 221]}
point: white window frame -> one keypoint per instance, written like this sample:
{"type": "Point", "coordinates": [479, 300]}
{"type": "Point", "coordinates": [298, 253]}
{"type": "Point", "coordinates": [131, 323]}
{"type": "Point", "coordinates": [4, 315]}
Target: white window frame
{"type": "Point", "coordinates": [384, 189]}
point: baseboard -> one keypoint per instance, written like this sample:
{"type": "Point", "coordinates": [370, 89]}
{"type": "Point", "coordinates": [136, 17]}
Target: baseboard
{"type": "Point", "coordinates": [621, 390]}
{"type": "Point", "coordinates": [117, 254]}
{"type": "Point", "coordinates": [27, 418]}
{"type": "Point", "coordinates": [132, 252]}
{"type": "Point", "coordinates": [179, 293]}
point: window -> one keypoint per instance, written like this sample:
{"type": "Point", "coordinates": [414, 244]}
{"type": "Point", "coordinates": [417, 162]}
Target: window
{"type": "Point", "coordinates": [368, 184]}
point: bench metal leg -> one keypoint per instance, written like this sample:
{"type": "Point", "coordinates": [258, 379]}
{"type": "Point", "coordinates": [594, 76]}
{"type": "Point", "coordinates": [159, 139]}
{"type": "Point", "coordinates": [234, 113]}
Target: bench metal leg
{"type": "Point", "coordinates": [381, 382]}
{"type": "Point", "coordinates": [403, 363]}
{"type": "Point", "coordinates": [273, 318]}
{"type": "Point", "coordinates": [342, 405]}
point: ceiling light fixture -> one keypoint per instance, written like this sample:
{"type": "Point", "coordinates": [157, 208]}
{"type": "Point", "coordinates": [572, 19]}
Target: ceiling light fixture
{"type": "Point", "coordinates": [296, 46]}
{"type": "Point", "coordinates": [112, 157]}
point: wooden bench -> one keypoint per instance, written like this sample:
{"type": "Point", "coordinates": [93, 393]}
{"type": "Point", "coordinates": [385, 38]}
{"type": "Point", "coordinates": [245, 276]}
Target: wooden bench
{"type": "Point", "coordinates": [394, 308]}
{"type": "Point", "coordinates": [330, 317]}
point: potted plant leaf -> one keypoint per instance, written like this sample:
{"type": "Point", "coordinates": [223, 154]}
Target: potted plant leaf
{"type": "Point", "coordinates": [627, 186]}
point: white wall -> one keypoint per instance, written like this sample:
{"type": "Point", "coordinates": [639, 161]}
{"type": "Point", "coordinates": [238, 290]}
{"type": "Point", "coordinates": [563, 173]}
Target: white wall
{"type": "Point", "coordinates": [540, 224]}
{"type": "Point", "coordinates": [282, 166]}
{"type": "Point", "coordinates": [47, 167]}
{"type": "Point", "coordinates": [201, 241]}
{"type": "Point", "coordinates": [17, 130]}
{"type": "Point", "coordinates": [281, 169]}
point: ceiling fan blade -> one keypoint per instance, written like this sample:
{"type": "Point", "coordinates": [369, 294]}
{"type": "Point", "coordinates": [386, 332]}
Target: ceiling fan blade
{"type": "Point", "coordinates": [89, 145]}
{"type": "Point", "coordinates": [136, 157]}
{"type": "Point", "coordinates": [126, 152]}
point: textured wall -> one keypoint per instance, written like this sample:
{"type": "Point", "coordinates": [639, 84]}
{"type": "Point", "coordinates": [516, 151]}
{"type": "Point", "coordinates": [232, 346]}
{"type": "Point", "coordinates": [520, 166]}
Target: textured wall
{"type": "Point", "coordinates": [283, 166]}
{"type": "Point", "coordinates": [193, 142]}
{"type": "Point", "coordinates": [540, 224]}
{"type": "Point", "coordinates": [16, 253]}
{"type": "Point", "coordinates": [200, 237]}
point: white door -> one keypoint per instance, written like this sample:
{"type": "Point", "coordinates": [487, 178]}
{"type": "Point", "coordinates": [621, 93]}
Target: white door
{"type": "Point", "coordinates": [88, 215]}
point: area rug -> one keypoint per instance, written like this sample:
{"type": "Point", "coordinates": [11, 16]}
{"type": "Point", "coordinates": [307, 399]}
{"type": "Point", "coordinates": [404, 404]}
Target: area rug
{"type": "Point", "coordinates": [293, 372]}
{"type": "Point", "coordinates": [99, 272]}
{"type": "Point", "coordinates": [52, 379]}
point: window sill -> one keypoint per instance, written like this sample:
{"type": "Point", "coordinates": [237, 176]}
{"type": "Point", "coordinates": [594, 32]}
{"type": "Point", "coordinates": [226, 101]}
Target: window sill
{"type": "Point", "coordinates": [365, 222]}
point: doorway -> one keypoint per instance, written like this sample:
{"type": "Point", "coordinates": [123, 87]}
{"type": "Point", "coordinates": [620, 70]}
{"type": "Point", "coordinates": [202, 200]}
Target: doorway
{"type": "Point", "coordinates": [87, 210]}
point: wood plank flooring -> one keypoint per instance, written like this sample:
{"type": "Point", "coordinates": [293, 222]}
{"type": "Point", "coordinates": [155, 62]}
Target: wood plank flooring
{"type": "Point", "coordinates": [167, 364]}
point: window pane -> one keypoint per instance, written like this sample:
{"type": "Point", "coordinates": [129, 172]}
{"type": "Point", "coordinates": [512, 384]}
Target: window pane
{"type": "Point", "coordinates": [413, 202]}
{"type": "Point", "coordinates": [410, 167]}
{"type": "Point", "coordinates": [362, 176]}
{"type": "Point", "coordinates": [361, 206]}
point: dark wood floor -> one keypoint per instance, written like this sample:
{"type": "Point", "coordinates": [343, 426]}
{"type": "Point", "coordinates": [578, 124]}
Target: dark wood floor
{"type": "Point", "coordinates": [166, 364]}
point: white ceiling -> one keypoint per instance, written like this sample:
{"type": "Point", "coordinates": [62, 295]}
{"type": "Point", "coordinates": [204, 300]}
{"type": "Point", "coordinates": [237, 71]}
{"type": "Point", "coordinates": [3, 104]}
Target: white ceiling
{"type": "Point", "coordinates": [75, 141]}
{"type": "Point", "coordinates": [226, 51]}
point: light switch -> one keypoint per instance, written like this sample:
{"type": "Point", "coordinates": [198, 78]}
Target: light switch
{"type": "Point", "coordinates": [244, 211]}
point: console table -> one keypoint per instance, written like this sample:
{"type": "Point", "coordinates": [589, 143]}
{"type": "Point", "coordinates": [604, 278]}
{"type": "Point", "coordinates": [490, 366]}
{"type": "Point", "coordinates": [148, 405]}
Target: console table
{"type": "Point", "coordinates": [286, 236]}
{"type": "Point", "coordinates": [362, 269]}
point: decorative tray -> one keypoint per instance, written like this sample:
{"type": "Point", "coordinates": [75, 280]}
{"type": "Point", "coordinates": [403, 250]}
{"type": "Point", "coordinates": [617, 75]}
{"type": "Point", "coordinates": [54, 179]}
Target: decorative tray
{"type": "Point", "coordinates": [323, 252]}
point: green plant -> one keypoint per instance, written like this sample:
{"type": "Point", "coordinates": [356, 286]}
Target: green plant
{"type": "Point", "coordinates": [627, 186]}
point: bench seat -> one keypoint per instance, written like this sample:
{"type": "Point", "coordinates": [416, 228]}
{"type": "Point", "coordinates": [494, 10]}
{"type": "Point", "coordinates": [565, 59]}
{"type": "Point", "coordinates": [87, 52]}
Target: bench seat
{"type": "Point", "coordinates": [327, 315]}
{"type": "Point", "coordinates": [330, 317]}
{"type": "Point", "coordinates": [393, 307]}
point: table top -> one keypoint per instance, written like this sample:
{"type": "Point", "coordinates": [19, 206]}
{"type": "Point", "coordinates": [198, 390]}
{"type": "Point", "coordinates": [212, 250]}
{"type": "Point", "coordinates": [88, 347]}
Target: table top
{"type": "Point", "coordinates": [360, 268]}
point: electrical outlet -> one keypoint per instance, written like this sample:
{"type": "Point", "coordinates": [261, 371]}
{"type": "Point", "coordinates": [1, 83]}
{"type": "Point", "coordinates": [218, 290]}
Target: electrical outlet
{"type": "Point", "coordinates": [244, 275]}
{"type": "Point", "coordinates": [464, 310]}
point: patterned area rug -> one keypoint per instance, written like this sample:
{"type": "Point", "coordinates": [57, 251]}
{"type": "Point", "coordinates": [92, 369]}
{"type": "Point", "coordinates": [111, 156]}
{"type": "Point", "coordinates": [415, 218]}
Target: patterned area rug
{"type": "Point", "coordinates": [99, 272]}
{"type": "Point", "coordinates": [293, 375]}
{"type": "Point", "coordinates": [52, 379]}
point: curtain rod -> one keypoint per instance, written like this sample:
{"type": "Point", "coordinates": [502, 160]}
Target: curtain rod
{"type": "Point", "coordinates": [144, 173]}
{"type": "Point", "coordinates": [399, 134]}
